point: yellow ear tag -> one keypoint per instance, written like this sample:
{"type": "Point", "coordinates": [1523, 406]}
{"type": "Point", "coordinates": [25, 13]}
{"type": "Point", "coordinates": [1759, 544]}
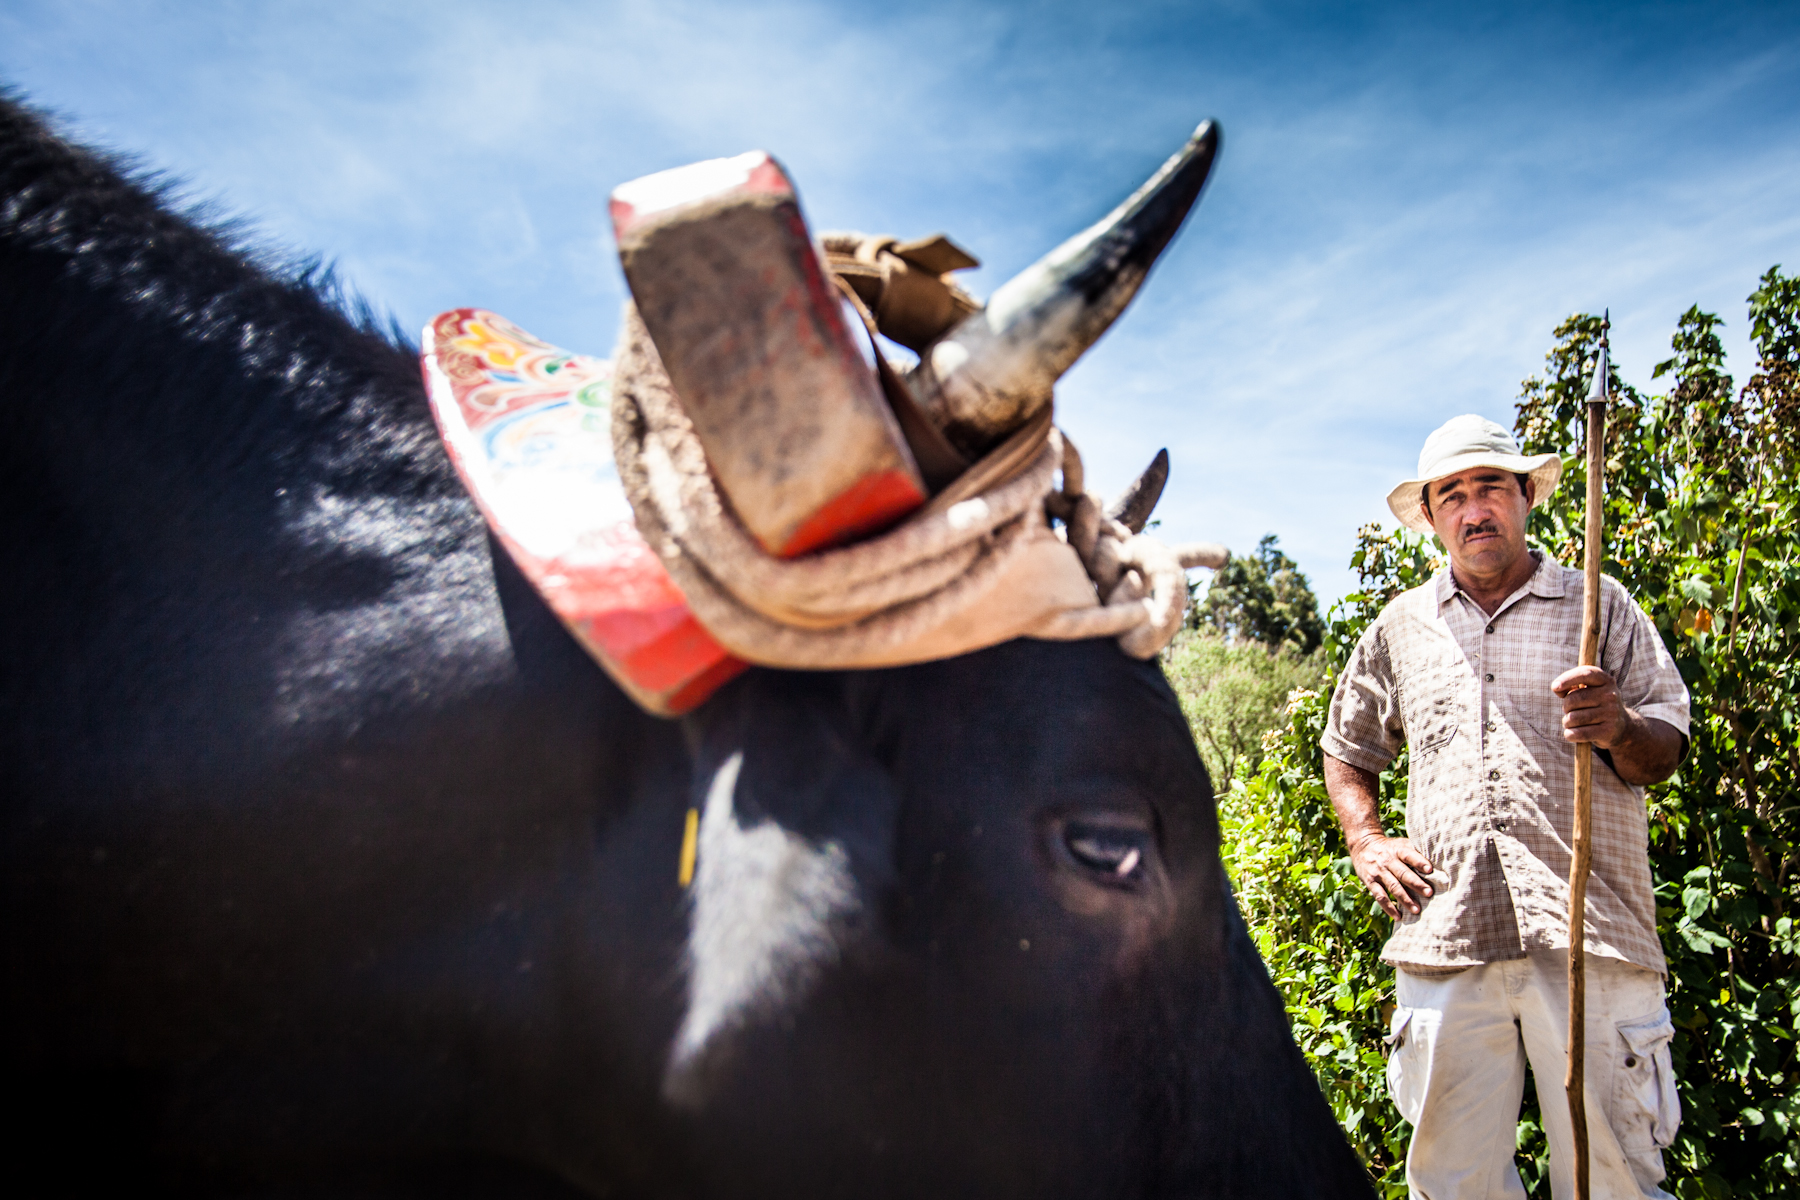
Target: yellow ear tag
{"type": "Point", "coordinates": [690, 847]}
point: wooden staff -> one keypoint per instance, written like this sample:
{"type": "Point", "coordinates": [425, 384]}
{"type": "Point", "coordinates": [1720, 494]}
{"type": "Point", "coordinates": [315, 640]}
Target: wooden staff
{"type": "Point", "coordinates": [1574, 1082]}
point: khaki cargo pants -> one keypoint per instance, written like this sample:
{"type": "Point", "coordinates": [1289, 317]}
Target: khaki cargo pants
{"type": "Point", "coordinates": [1456, 1070]}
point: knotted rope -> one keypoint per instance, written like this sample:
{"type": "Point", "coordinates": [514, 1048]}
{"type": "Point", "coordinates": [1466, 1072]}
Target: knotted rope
{"type": "Point", "coordinates": [969, 569]}
{"type": "Point", "coordinates": [1142, 581]}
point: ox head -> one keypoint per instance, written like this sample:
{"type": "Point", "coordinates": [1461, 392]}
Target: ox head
{"type": "Point", "coordinates": [961, 928]}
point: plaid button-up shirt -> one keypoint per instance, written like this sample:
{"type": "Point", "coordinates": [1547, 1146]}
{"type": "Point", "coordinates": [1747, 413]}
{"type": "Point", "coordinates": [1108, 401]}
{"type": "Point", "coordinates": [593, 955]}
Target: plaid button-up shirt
{"type": "Point", "coordinates": [1490, 796]}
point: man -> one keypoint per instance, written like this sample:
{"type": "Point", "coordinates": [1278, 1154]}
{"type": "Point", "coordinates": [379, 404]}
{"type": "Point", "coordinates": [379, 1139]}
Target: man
{"type": "Point", "coordinates": [1474, 672]}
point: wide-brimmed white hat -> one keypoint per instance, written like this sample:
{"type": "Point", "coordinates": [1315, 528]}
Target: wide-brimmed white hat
{"type": "Point", "coordinates": [1459, 444]}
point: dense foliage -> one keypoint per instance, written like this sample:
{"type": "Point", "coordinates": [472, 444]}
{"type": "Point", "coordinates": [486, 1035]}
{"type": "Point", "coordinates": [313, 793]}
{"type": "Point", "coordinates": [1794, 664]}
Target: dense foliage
{"type": "Point", "coordinates": [1317, 930]}
{"type": "Point", "coordinates": [1703, 528]}
{"type": "Point", "coordinates": [1703, 517]}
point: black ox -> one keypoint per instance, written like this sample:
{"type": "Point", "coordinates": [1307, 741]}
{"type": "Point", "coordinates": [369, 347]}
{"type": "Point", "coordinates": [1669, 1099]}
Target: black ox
{"type": "Point", "coordinates": [334, 866]}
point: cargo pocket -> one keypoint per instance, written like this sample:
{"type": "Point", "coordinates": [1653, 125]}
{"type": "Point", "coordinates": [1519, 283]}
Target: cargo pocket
{"type": "Point", "coordinates": [1405, 1068]}
{"type": "Point", "coordinates": [1646, 1109]}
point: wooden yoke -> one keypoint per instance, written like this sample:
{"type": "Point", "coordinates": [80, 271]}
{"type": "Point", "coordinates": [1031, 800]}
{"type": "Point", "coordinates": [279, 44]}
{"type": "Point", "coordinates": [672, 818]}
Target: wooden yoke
{"type": "Point", "coordinates": [1575, 1081]}
{"type": "Point", "coordinates": [752, 331]}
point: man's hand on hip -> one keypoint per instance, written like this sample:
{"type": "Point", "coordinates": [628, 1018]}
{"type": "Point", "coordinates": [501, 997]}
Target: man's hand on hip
{"type": "Point", "coordinates": [1393, 871]}
{"type": "Point", "coordinates": [1390, 868]}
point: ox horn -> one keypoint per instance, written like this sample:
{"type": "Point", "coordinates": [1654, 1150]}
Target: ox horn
{"type": "Point", "coordinates": [996, 368]}
{"type": "Point", "coordinates": [1135, 504]}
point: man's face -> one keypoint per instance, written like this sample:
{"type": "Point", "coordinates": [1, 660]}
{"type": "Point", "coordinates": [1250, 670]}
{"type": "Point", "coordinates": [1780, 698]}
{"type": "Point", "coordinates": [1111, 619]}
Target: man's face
{"type": "Point", "coordinates": [1480, 516]}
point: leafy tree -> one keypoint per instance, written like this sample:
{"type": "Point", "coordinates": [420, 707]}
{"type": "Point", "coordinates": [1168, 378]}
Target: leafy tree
{"type": "Point", "coordinates": [1262, 598]}
{"type": "Point", "coordinates": [1703, 528]}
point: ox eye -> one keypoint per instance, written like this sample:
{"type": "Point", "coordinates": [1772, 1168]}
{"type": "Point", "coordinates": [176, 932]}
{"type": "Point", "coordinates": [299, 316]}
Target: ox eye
{"type": "Point", "coordinates": [1116, 854]}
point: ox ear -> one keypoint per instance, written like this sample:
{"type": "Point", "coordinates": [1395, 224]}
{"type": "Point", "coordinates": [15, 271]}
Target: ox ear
{"type": "Point", "coordinates": [795, 849]}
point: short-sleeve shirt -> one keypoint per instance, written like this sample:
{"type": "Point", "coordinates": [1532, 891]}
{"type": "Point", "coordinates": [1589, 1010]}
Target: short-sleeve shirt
{"type": "Point", "coordinates": [1491, 789]}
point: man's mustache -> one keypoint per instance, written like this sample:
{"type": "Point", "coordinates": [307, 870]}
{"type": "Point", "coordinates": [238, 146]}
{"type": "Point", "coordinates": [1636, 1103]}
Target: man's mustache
{"type": "Point", "coordinates": [1482, 527]}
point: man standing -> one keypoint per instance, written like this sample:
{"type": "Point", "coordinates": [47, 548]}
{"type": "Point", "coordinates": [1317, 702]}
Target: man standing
{"type": "Point", "coordinates": [1473, 671]}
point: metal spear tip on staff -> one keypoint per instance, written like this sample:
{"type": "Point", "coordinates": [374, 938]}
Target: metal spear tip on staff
{"type": "Point", "coordinates": [1574, 1082]}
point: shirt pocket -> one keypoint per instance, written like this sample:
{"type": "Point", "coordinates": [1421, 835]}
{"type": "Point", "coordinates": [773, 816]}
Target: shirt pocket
{"type": "Point", "coordinates": [1646, 1109]}
{"type": "Point", "coordinates": [1546, 727]}
{"type": "Point", "coordinates": [1436, 739]}
{"type": "Point", "coordinates": [1433, 704]}
{"type": "Point", "coordinates": [1405, 1066]}
{"type": "Point", "coordinates": [1549, 760]}
{"type": "Point", "coordinates": [1429, 764]}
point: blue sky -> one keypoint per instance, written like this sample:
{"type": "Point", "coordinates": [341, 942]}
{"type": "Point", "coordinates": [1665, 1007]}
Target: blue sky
{"type": "Point", "coordinates": [1409, 199]}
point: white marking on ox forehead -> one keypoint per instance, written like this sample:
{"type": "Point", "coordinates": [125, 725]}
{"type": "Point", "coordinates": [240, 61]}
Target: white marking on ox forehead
{"type": "Point", "coordinates": [765, 904]}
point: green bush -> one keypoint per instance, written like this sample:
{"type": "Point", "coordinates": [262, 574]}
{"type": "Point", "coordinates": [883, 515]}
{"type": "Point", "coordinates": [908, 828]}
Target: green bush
{"type": "Point", "coordinates": [1314, 923]}
{"type": "Point", "coordinates": [1233, 693]}
{"type": "Point", "coordinates": [1703, 528]}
